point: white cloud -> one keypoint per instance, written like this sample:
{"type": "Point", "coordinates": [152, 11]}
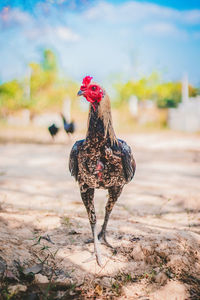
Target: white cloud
{"type": "Point", "coordinates": [12, 17]}
{"type": "Point", "coordinates": [134, 11]}
{"type": "Point", "coordinates": [101, 39]}
{"type": "Point", "coordinates": [34, 27]}
{"type": "Point", "coordinates": [164, 29]}
{"type": "Point", "coordinates": [66, 34]}
{"type": "Point", "coordinates": [102, 10]}
{"type": "Point", "coordinates": [52, 33]}
{"type": "Point", "coordinates": [129, 11]}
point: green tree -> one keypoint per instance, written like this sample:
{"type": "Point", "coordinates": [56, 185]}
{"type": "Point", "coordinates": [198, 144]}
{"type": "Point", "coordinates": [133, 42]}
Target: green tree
{"type": "Point", "coordinates": [144, 88]}
{"type": "Point", "coordinates": [49, 62]}
{"type": "Point", "coordinates": [11, 96]}
{"type": "Point", "coordinates": [168, 94]}
{"type": "Point", "coordinates": [47, 89]}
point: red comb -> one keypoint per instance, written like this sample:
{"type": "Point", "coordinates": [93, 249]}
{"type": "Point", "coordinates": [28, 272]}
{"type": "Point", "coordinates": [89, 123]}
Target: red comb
{"type": "Point", "coordinates": [86, 80]}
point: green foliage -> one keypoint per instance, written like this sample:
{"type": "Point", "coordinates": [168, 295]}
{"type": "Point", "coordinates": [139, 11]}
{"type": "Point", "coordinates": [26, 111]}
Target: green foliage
{"type": "Point", "coordinates": [143, 89]}
{"type": "Point", "coordinates": [43, 90]}
{"type": "Point", "coordinates": [168, 94]}
{"type": "Point", "coordinates": [11, 96]}
{"type": "Point", "coordinates": [49, 61]}
{"type": "Point", "coordinates": [193, 91]}
{"type": "Point", "coordinates": [165, 95]}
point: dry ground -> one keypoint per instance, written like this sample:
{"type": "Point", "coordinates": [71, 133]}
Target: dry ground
{"type": "Point", "coordinates": [154, 227]}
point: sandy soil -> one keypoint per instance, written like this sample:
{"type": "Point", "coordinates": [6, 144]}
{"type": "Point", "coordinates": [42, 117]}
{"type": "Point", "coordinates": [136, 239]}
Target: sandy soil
{"type": "Point", "coordinates": [154, 227]}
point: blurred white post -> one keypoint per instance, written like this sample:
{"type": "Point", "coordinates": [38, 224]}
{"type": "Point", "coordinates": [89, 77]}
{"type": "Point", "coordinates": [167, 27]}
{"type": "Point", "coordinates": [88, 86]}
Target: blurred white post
{"type": "Point", "coordinates": [186, 116]}
{"type": "Point", "coordinates": [133, 105]}
{"type": "Point", "coordinates": [185, 89]}
{"type": "Point", "coordinates": [27, 89]}
{"type": "Point", "coordinates": [67, 109]}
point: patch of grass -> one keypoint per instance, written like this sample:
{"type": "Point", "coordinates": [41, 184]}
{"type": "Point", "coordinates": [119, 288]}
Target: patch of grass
{"type": "Point", "coordinates": [66, 221]}
{"type": "Point", "coordinates": [116, 287]}
{"type": "Point", "coordinates": [122, 279]}
{"type": "Point", "coordinates": [125, 278]}
{"type": "Point", "coordinates": [150, 275]}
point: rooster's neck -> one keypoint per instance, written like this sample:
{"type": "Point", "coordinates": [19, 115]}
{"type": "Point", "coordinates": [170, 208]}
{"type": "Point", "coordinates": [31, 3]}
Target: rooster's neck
{"type": "Point", "coordinates": [100, 122]}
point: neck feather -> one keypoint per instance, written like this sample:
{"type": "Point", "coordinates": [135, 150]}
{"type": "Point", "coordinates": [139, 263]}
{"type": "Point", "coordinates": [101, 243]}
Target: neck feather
{"type": "Point", "coordinates": [103, 112]}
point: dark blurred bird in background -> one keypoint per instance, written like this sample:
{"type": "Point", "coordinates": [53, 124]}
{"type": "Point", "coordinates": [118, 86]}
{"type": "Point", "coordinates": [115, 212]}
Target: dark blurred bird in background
{"type": "Point", "coordinates": [101, 160]}
{"type": "Point", "coordinates": [53, 130]}
{"type": "Point", "coordinates": [68, 127]}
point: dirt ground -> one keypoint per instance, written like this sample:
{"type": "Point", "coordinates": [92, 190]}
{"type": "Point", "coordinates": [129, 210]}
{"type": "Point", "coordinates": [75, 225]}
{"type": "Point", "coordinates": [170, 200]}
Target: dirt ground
{"type": "Point", "coordinates": [154, 226]}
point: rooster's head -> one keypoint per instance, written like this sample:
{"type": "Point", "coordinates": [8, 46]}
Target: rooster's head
{"type": "Point", "coordinates": [91, 91]}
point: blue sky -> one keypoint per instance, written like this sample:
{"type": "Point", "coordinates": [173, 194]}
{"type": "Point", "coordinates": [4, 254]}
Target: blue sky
{"type": "Point", "coordinates": [102, 38]}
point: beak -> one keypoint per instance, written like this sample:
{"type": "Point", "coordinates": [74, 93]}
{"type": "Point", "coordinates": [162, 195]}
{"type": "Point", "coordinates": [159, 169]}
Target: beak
{"type": "Point", "coordinates": [80, 93]}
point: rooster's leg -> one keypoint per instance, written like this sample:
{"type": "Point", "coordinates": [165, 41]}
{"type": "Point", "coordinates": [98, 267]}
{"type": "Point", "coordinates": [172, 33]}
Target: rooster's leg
{"type": "Point", "coordinates": [113, 192]}
{"type": "Point", "coordinates": [88, 200]}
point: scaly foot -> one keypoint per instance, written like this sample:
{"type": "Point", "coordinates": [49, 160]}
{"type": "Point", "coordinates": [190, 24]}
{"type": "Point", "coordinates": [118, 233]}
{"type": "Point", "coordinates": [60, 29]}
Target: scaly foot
{"type": "Point", "coordinates": [102, 239]}
{"type": "Point", "coordinates": [97, 252]}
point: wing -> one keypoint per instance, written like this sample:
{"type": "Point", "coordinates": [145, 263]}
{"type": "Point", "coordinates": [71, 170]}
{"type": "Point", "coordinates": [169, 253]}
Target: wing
{"type": "Point", "coordinates": [128, 161]}
{"type": "Point", "coordinates": [73, 159]}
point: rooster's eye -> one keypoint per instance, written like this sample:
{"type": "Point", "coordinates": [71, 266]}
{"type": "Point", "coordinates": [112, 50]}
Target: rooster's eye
{"type": "Point", "coordinates": [94, 88]}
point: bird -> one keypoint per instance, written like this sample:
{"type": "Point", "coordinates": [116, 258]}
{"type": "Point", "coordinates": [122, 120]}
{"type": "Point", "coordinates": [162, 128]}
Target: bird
{"type": "Point", "coordinates": [100, 160]}
{"type": "Point", "coordinates": [68, 127]}
{"type": "Point", "coordinates": [53, 130]}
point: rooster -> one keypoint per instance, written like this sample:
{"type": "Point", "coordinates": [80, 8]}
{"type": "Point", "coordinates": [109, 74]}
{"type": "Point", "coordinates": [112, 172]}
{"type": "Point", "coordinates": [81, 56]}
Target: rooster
{"type": "Point", "coordinates": [68, 127]}
{"type": "Point", "coordinates": [101, 160]}
{"type": "Point", "coordinates": [53, 130]}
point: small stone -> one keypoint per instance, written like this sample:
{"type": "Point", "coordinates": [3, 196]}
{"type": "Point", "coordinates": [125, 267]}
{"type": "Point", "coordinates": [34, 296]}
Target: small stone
{"type": "Point", "coordinates": [177, 260]}
{"type": "Point", "coordinates": [34, 269]}
{"type": "Point", "coordinates": [9, 275]}
{"type": "Point", "coordinates": [106, 282]}
{"type": "Point", "coordinates": [161, 278]}
{"type": "Point", "coordinates": [147, 250]}
{"type": "Point", "coordinates": [157, 269]}
{"type": "Point", "coordinates": [15, 289]}
{"type": "Point", "coordinates": [137, 253]}
{"type": "Point", "coordinates": [41, 279]}
{"type": "Point", "coordinates": [60, 294]}
{"type": "Point", "coordinates": [163, 246]}
{"type": "Point", "coordinates": [63, 281]}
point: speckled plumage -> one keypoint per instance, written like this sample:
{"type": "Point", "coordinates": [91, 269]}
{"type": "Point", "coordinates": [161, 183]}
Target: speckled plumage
{"type": "Point", "coordinates": [101, 161]}
{"type": "Point", "coordinates": [118, 165]}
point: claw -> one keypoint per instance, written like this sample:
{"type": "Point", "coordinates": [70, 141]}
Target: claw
{"type": "Point", "coordinates": [107, 244]}
{"type": "Point", "coordinates": [97, 251]}
{"type": "Point", "coordinates": [102, 238]}
{"type": "Point", "coordinates": [99, 260]}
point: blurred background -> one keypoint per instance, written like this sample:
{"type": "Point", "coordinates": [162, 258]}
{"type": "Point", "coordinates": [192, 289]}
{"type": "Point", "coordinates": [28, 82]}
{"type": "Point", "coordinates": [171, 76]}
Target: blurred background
{"type": "Point", "coordinates": [145, 53]}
